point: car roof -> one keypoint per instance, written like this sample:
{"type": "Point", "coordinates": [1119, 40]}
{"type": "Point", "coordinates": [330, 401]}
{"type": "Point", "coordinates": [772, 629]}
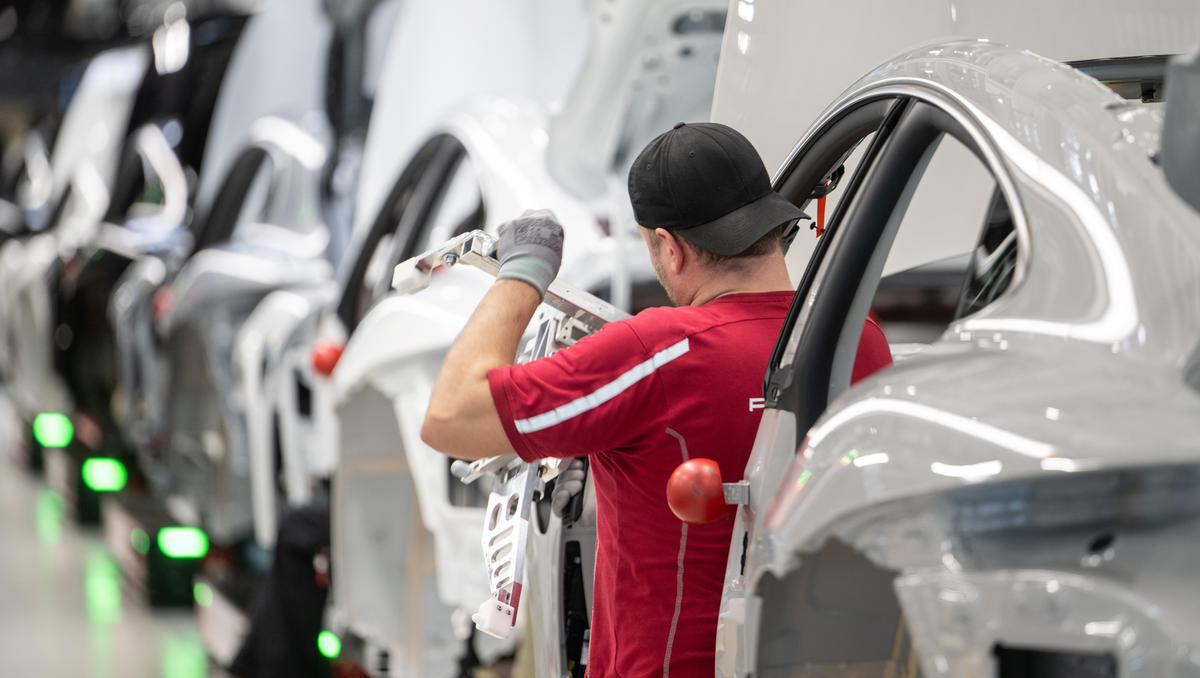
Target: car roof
{"type": "Point", "coordinates": [1110, 250]}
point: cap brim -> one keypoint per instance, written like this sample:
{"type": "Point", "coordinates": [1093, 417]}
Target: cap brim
{"type": "Point", "coordinates": [735, 232]}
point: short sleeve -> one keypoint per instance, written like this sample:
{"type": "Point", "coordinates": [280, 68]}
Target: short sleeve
{"type": "Point", "coordinates": [599, 394]}
{"type": "Point", "coordinates": [873, 354]}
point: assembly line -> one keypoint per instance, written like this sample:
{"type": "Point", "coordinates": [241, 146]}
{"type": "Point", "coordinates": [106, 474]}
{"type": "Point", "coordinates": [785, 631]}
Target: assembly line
{"type": "Point", "coordinates": [614, 338]}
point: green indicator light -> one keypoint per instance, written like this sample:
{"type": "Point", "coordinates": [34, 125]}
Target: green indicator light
{"type": "Point", "coordinates": [329, 644]}
{"type": "Point", "coordinates": [804, 476]}
{"type": "Point", "coordinates": [51, 429]}
{"type": "Point", "coordinates": [104, 475]}
{"type": "Point", "coordinates": [182, 542]}
{"type": "Point", "coordinates": [140, 540]}
{"type": "Point", "coordinates": [203, 594]}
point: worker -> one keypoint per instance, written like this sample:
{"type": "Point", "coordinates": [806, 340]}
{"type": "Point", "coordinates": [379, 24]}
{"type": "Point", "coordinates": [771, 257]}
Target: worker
{"type": "Point", "coordinates": [643, 394]}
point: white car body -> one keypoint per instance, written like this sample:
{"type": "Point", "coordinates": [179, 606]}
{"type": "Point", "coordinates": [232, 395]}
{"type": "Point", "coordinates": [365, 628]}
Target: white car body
{"type": "Point", "coordinates": [385, 472]}
{"type": "Point", "coordinates": [520, 154]}
{"type": "Point", "coordinates": [182, 358]}
{"type": "Point", "coordinates": [277, 134]}
{"type": "Point", "coordinates": [481, 56]}
{"type": "Point", "coordinates": [925, 485]}
{"type": "Point", "coordinates": [823, 47]}
{"type": "Point", "coordinates": [83, 167]}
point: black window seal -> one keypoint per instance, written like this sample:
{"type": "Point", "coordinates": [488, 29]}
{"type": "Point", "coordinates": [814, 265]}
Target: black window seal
{"type": "Point", "coordinates": [798, 188]}
{"type": "Point", "coordinates": [920, 126]}
{"type": "Point", "coordinates": [384, 223]}
{"type": "Point", "coordinates": [411, 225]}
{"type": "Point", "coordinates": [131, 179]}
{"type": "Point", "coordinates": [1146, 74]}
{"type": "Point", "coordinates": [217, 227]}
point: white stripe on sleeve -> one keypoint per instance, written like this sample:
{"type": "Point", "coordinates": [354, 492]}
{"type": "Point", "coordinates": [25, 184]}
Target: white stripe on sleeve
{"type": "Point", "coordinates": [603, 394]}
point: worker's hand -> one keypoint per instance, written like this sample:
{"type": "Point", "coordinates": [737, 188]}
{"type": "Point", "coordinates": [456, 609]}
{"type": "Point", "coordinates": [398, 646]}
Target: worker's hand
{"type": "Point", "coordinates": [530, 249]}
{"type": "Point", "coordinates": [569, 484]}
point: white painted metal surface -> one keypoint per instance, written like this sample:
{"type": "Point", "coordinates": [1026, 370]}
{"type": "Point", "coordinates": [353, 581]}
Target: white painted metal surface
{"type": "Point", "coordinates": [782, 61]}
{"type": "Point", "coordinates": [84, 167]}
{"type": "Point", "coordinates": [287, 39]}
{"type": "Point", "coordinates": [1012, 409]}
{"type": "Point", "coordinates": [385, 361]}
{"type": "Point", "coordinates": [443, 53]}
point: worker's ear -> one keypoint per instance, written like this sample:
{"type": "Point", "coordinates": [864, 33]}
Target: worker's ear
{"type": "Point", "coordinates": [675, 254]}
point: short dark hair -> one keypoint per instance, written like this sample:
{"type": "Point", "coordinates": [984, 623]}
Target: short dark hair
{"type": "Point", "coordinates": [769, 243]}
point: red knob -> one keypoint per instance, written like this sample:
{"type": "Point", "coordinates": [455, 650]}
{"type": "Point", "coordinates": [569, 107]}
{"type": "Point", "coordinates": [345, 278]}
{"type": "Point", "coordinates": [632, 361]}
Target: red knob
{"type": "Point", "coordinates": [695, 492]}
{"type": "Point", "coordinates": [161, 302]}
{"type": "Point", "coordinates": [325, 356]}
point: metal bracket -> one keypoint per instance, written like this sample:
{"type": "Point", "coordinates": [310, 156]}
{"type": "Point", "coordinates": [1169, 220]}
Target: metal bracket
{"type": "Point", "coordinates": [737, 493]}
{"type": "Point", "coordinates": [478, 249]}
{"type": "Point", "coordinates": [475, 248]}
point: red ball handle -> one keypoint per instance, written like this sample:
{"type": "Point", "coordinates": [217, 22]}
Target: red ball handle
{"type": "Point", "coordinates": [696, 493]}
{"type": "Point", "coordinates": [325, 356]}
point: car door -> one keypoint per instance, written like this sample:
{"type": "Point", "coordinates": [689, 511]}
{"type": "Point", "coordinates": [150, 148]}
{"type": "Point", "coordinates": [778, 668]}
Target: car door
{"type": "Point", "coordinates": [434, 198]}
{"type": "Point", "coordinates": [922, 193]}
{"type": "Point", "coordinates": [146, 215]}
{"type": "Point", "coordinates": [380, 560]}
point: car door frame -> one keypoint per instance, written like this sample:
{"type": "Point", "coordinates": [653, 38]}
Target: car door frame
{"type": "Point", "coordinates": [414, 196]}
{"type": "Point", "coordinates": [846, 270]}
{"type": "Point", "coordinates": [836, 314]}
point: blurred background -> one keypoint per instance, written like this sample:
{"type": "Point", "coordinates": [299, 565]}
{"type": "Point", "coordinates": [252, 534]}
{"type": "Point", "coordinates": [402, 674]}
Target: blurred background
{"type": "Point", "coordinates": [212, 384]}
{"type": "Point", "coordinates": [201, 203]}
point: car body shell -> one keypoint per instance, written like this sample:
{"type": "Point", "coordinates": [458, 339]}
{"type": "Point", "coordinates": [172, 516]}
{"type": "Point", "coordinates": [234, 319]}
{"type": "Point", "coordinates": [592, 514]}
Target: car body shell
{"type": "Point", "coordinates": [383, 379]}
{"type": "Point", "coordinates": [379, 391]}
{"type": "Point", "coordinates": [1101, 318]}
{"type": "Point", "coordinates": [277, 131]}
{"type": "Point", "coordinates": [276, 344]}
{"type": "Point", "coordinates": [797, 56]}
{"type": "Point", "coordinates": [178, 363]}
{"type": "Point", "coordinates": [83, 168]}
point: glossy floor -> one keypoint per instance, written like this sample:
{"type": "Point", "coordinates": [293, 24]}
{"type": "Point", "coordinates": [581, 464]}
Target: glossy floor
{"type": "Point", "coordinates": [63, 609]}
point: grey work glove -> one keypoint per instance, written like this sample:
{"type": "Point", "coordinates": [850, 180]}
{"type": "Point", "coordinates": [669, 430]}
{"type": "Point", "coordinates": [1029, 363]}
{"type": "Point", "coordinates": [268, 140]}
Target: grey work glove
{"type": "Point", "coordinates": [569, 484]}
{"type": "Point", "coordinates": [530, 249]}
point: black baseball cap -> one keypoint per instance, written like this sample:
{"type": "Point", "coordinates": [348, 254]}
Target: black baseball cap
{"type": "Point", "coordinates": [706, 182]}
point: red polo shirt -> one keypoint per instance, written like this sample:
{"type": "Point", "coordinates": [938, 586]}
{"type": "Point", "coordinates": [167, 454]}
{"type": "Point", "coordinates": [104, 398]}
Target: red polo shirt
{"type": "Point", "coordinates": [639, 397]}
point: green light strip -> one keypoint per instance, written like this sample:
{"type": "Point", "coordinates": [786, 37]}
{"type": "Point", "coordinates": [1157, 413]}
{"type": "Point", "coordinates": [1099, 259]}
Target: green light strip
{"type": "Point", "coordinates": [51, 429]}
{"type": "Point", "coordinates": [182, 542]}
{"type": "Point", "coordinates": [102, 474]}
{"type": "Point", "coordinates": [329, 644]}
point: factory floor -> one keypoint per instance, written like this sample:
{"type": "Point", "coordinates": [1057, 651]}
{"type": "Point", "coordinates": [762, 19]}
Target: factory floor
{"type": "Point", "coordinates": [64, 610]}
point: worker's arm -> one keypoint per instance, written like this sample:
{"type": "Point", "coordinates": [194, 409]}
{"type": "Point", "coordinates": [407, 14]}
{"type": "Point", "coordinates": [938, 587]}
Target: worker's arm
{"type": "Point", "coordinates": [461, 420]}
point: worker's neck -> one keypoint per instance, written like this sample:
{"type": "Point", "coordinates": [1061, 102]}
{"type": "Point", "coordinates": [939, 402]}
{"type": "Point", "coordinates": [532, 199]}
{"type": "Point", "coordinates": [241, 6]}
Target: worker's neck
{"type": "Point", "coordinates": [770, 275]}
